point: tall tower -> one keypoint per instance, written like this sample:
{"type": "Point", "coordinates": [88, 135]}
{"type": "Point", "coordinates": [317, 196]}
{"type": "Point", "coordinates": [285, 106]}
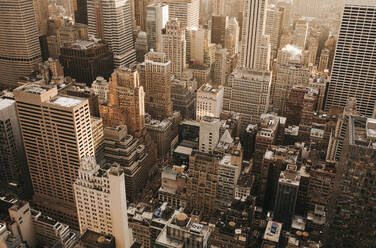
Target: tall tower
{"type": "Point", "coordinates": [106, 212]}
{"type": "Point", "coordinates": [126, 102]}
{"type": "Point", "coordinates": [187, 11]}
{"type": "Point", "coordinates": [353, 72]}
{"type": "Point", "coordinates": [80, 14]}
{"type": "Point", "coordinates": [156, 18]}
{"type": "Point", "coordinates": [174, 46]}
{"type": "Point", "coordinates": [19, 42]}
{"type": "Point", "coordinates": [156, 76]}
{"type": "Point", "coordinates": [252, 30]}
{"type": "Point", "coordinates": [110, 20]}
{"type": "Point", "coordinates": [56, 132]}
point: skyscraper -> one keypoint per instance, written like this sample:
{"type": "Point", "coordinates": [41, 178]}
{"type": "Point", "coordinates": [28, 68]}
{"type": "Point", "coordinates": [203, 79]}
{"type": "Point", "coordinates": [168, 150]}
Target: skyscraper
{"type": "Point", "coordinates": [187, 11]}
{"type": "Point", "coordinates": [80, 14]}
{"type": "Point", "coordinates": [353, 72]}
{"type": "Point", "coordinates": [110, 20]}
{"type": "Point", "coordinates": [156, 18]}
{"type": "Point", "coordinates": [174, 45]}
{"type": "Point", "coordinates": [57, 134]}
{"type": "Point", "coordinates": [218, 30]}
{"type": "Point", "coordinates": [252, 30]}
{"type": "Point", "coordinates": [19, 42]}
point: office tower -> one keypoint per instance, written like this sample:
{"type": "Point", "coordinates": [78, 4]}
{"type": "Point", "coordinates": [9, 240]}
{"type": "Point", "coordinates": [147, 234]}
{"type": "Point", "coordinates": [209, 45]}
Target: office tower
{"type": "Point", "coordinates": [174, 46]}
{"type": "Point", "coordinates": [140, 12]}
{"type": "Point", "coordinates": [156, 75]}
{"type": "Point", "coordinates": [219, 75]}
{"type": "Point", "coordinates": [262, 60]}
{"type": "Point", "coordinates": [182, 230]}
{"type": "Point", "coordinates": [287, 16]}
{"type": "Point", "coordinates": [301, 34]}
{"type": "Point", "coordinates": [156, 18]}
{"type": "Point", "coordinates": [126, 102]}
{"type": "Point", "coordinates": [122, 148]}
{"type": "Point", "coordinates": [100, 87]}
{"type": "Point", "coordinates": [80, 14]}
{"type": "Point", "coordinates": [41, 15]}
{"type": "Point", "coordinates": [13, 170]}
{"type": "Point", "coordinates": [209, 134]}
{"type": "Point", "coordinates": [201, 50]}
{"type": "Point", "coordinates": [56, 133]}
{"type": "Point", "coordinates": [313, 47]}
{"type": "Point", "coordinates": [106, 211]}
{"type": "Point", "coordinates": [286, 196]}
{"type": "Point", "coordinates": [218, 7]}
{"type": "Point", "coordinates": [19, 42]}
{"type": "Point", "coordinates": [98, 138]}
{"type": "Point", "coordinates": [186, 11]}
{"type": "Point", "coordinates": [232, 36]}
{"type": "Point", "coordinates": [218, 30]}
{"type": "Point", "coordinates": [353, 70]}
{"type": "Point", "coordinates": [84, 60]}
{"type": "Point", "coordinates": [209, 101]}
{"type": "Point", "coordinates": [252, 31]}
{"type": "Point", "coordinates": [324, 60]}
{"type": "Point", "coordinates": [162, 134]}
{"type": "Point", "coordinates": [273, 27]}
{"type": "Point", "coordinates": [183, 97]}
{"type": "Point", "coordinates": [351, 218]}
{"type": "Point", "coordinates": [247, 92]}
{"type": "Point", "coordinates": [141, 46]}
{"type": "Point", "coordinates": [110, 20]}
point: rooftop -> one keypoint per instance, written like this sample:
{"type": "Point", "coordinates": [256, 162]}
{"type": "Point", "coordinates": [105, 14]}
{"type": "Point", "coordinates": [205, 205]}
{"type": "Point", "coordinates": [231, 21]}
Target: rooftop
{"type": "Point", "coordinates": [67, 101]}
{"type": "Point", "coordinates": [273, 231]}
{"type": "Point", "coordinates": [5, 103]}
{"type": "Point", "coordinates": [34, 88]}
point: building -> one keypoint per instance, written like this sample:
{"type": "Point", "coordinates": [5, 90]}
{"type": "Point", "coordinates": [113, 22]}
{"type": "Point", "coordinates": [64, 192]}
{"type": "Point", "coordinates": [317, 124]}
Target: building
{"type": "Point", "coordinates": [232, 36]}
{"type": "Point", "coordinates": [19, 42]}
{"type": "Point", "coordinates": [183, 97]}
{"type": "Point", "coordinates": [350, 213]}
{"type": "Point", "coordinates": [247, 92]}
{"type": "Point", "coordinates": [301, 34]}
{"type": "Point", "coordinates": [90, 239]}
{"type": "Point", "coordinates": [126, 102]}
{"type": "Point", "coordinates": [272, 234]}
{"type": "Point", "coordinates": [41, 15]}
{"type": "Point", "coordinates": [98, 138]}
{"type": "Point", "coordinates": [156, 19]}
{"type": "Point", "coordinates": [111, 21]}
{"type": "Point", "coordinates": [201, 49]}
{"type": "Point", "coordinates": [84, 60]}
{"type": "Point", "coordinates": [352, 71]}
{"type": "Point", "coordinates": [122, 148]}
{"type": "Point", "coordinates": [218, 29]}
{"type": "Point", "coordinates": [209, 134]}
{"type": "Point", "coordinates": [80, 12]}
{"type": "Point", "coordinates": [273, 27]}
{"type": "Point", "coordinates": [174, 45]}
{"type": "Point", "coordinates": [183, 231]}
{"type": "Point", "coordinates": [219, 74]}
{"type": "Point", "coordinates": [324, 60]}
{"type": "Point", "coordinates": [54, 166]}
{"type": "Point", "coordinates": [252, 31]}
{"type": "Point", "coordinates": [186, 11]}
{"type": "Point", "coordinates": [156, 75]}
{"type": "Point", "coordinates": [287, 194]}
{"type": "Point", "coordinates": [83, 91]}
{"type": "Point", "coordinates": [218, 7]}
{"type": "Point", "coordinates": [101, 201]}
{"type": "Point", "coordinates": [140, 12]}
{"type": "Point", "coordinates": [141, 46]}
{"type": "Point", "coordinates": [100, 87]}
{"type": "Point", "coordinates": [209, 101]}
{"type": "Point", "coordinates": [162, 134]}
{"type": "Point", "coordinates": [13, 172]}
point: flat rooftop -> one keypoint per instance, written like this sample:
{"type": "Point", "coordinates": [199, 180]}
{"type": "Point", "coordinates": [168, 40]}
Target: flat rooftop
{"type": "Point", "coordinates": [5, 103]}
{"type": "Point", "coordinates": [68, 102]}
{"type": "Point", "coordinates": [273, 231]}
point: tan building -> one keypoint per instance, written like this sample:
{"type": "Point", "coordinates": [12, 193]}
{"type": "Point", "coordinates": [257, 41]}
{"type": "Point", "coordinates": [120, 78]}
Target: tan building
{"type": "Point", "coordinates": [156, 75]}
{"type": "Point", "coordinates": [57, 134]}
{"type": "Point", "coordinates": [126, 102]}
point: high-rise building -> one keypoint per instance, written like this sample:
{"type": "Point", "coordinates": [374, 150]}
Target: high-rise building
{"type": "Point", "coordinates": [273, 27]}
{"type": "Point", "coordinates": [219, 75]}
{"type": "Point", "coordinates": [232, 36]}
{"type": "Point", "coordinates": [209, 101]}
{"type": "Point", "coordinates": [80, 13]}
{"type": "Point", "coordinates": [156, 75]}
{"type": "Point", "coordinates": [252, 30]}
{"type": "Point", "coordinates": [186, 11]}
{"type": "Point", "coordinates": [84, 60]}
{"type": "Point", "coordinates": [201, 50]}
{"type": "Point", "coordinates": [100, 87]}
{"type": "Point", "coordinates": [218, 30]}
{"type": "Point", "coordinates": [183, 97]}
{"type": "Point", "coordinates": [19, 42]}
{"type": "Point", "coordinates": [110, 20]}
{"type": "Point", "coordinates": [56, 132]}
{"type": "Point", "coordinates": [101, 202]}
{"type": "Point", "coordinates": [353, 71]}
{"type": "Point", "coordinates": [301, 34]}
{"type": "Point", "coordinates": [247, 92]}
{"type": "Point", "coordinates": [156, 18]}
{"type": "Point", "coordinates": [174, 46]}
{"type": "Point", "coordinates": [41, 15]}
{"type": "Point", "coordinates": [324, 60]}
{"type": "Point", "coordinates": [13, 169]}
{"type": "Point", "coordinates": [218, 7]}
{"type": "Point", "coordinates": [351, 218]}
{"type": "Point", "coordinates": [141, 46]}
{"type": "Point", "coordinates": [126, 102]}
{"type": "Point", "coordinates": [140, 12]}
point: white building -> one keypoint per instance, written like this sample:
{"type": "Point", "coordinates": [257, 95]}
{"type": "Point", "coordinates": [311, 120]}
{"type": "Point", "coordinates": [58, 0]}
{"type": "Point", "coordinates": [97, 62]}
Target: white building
{"type": "Point", "coordinates": [100, 89]}
{"type": "Point", "coordinates": [110, 20]}
{"type": "Point", "coordinates": [273, 26]}
{"type": "Point", "coordinates": [101, 201]}
{"type": "Point", "coordinates": [156, 18]}
{"type": "Point", "coordinates": [301, 33]}
{"type": "Point", "coordinates": [209, 101]}
{"type": "Point", "coordinates": [209, 134]}
{"type": "Point", "coordinates": [187, 11]}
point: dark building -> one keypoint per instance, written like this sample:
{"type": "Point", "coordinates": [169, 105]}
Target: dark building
{"type": "Point", "coordinates": [249, 140]}
{"type": "Point", "coordinates": [218, 30]}
{"type": "Point", "coordinates": [84, 60]}
{"type": "Point", "coordinates": [183, 98]}
{"type": "Point", "coordinates": [80, 15]}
